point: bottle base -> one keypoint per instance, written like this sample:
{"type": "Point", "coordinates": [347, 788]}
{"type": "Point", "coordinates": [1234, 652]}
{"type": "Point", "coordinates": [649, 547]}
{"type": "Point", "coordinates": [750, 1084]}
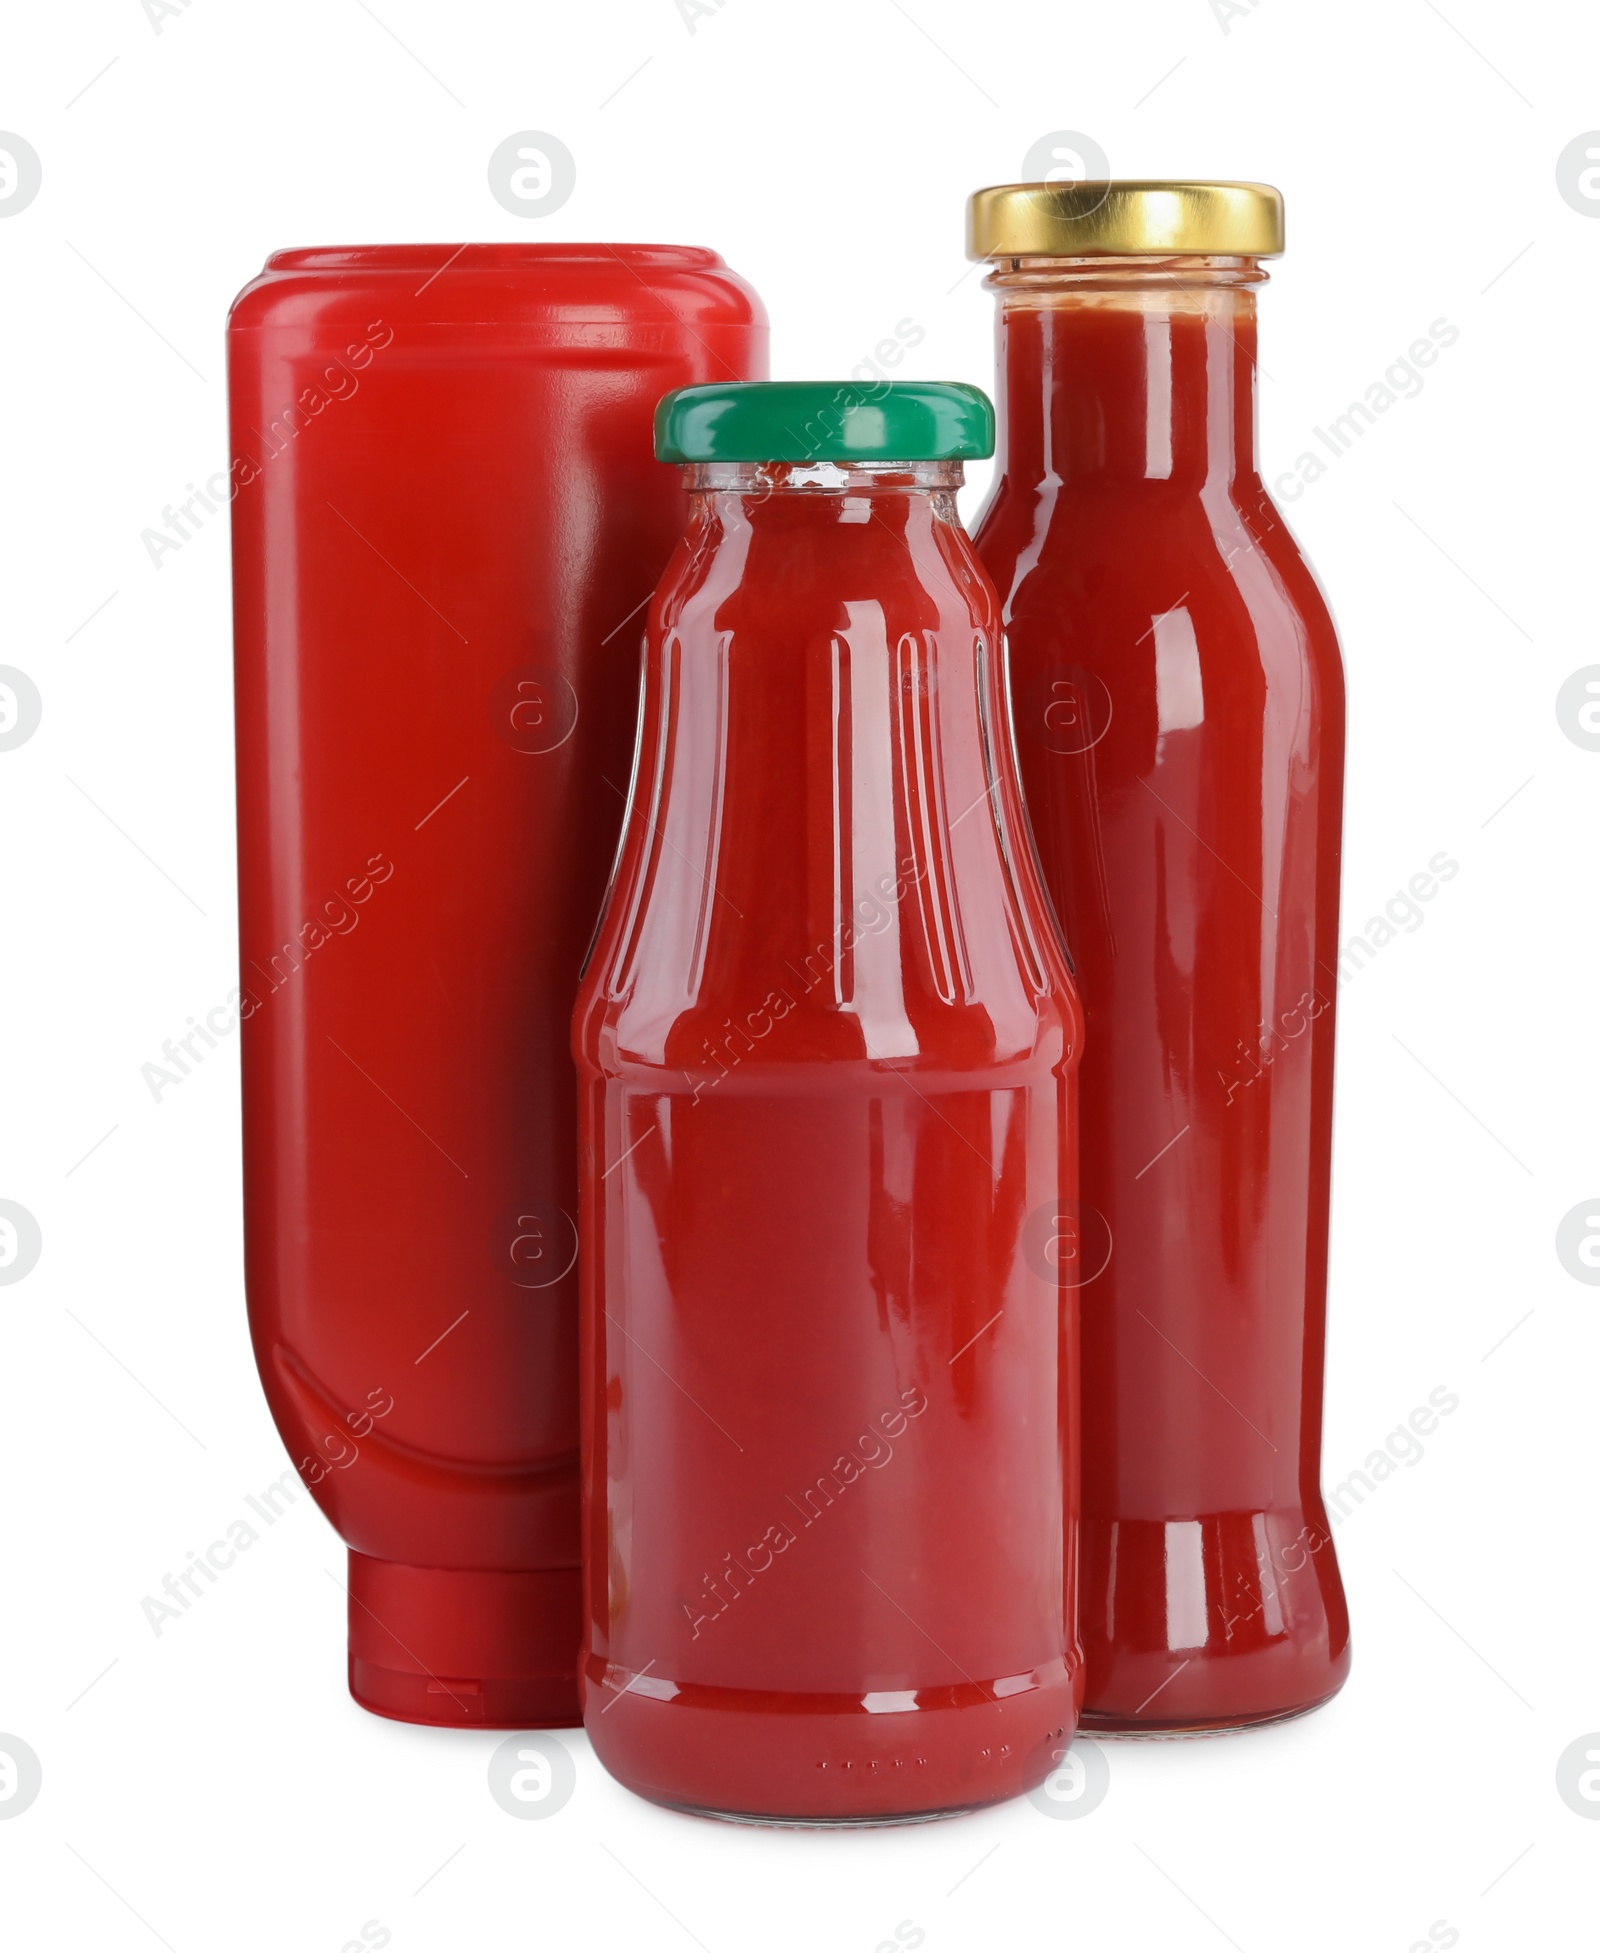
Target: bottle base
{"type": "Point", "coordinates": [806, 1761]}
{"type": "Point", "coordinates": [754, 1822]}
{"type": "Point", "coordinates": [1128, 1730]}
{"type": "Point", "coordinates": [1199, 1626]}
{"type": "Point", "coordinates": [464, 1648]}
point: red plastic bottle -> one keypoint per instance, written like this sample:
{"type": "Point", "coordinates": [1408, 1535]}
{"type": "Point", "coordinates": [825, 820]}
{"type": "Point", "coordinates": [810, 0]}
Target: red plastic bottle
{"type": "Point", "coordinates": [827, 1046]}
{"type": "Point", "coordinates": [1179, 707]}
{"type": "Point", "coordinates": [446, 521]}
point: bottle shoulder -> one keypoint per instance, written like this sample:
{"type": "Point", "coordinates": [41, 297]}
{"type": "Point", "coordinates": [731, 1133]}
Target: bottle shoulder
{"type": "Point", "coordinates": [803, 935]}
{"type": "Point", "coordinates": [1031, 529]}
{"type": "Point", "coordinates": [825, 858]}
{"type": "Point", "coordinates": [1100, 567]}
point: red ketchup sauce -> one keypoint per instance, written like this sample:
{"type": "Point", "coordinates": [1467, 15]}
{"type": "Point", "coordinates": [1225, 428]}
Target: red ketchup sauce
{"type": "Point", "coordinates": [827, 1046]}
{"type": "Point", "coordinates": [445, 508]}
{"type": "Point", "coordinates": [1179, 707]}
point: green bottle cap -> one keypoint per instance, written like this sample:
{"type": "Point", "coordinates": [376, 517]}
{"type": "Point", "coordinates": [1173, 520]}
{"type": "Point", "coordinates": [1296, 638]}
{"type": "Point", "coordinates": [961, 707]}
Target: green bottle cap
{"type": "Point", "coordinates": [823, 420]}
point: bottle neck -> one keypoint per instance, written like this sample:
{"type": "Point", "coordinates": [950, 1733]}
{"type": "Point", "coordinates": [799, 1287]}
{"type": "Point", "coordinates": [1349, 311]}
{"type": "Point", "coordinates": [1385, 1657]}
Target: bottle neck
{"type": "Point", "coordinates": [813, 478]}
{"type": "Point", "coordinates": [735, 502]}
{"type": "Point", "coordinates": [1127, 370]}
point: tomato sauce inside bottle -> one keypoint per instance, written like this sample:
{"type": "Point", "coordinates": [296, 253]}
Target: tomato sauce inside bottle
{"type": "Point", "coordinates": [827, 1046]}
{"type": "Point", "coordinates": [1179, 707]}
{"type": "Point", "coordinates": [445, 511]}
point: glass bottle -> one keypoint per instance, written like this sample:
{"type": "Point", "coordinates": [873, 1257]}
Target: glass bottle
{"type": "Point", "coordinates": [827, 1044]}
{"type": "Point", "coordinates": [1179, 707]}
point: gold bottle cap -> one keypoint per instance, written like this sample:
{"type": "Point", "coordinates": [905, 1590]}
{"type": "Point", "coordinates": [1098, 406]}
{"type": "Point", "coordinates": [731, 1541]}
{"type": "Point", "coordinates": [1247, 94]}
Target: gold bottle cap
{"type": "Point", "coordinates": [1125, 219]}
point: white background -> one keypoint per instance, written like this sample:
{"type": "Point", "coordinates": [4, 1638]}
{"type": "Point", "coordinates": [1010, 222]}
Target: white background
{"type": "Point", "coordinates": [214, 1787]}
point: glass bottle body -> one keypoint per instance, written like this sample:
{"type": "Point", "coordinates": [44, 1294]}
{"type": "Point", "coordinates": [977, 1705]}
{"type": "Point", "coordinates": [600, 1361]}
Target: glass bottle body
{"type": "Point", "coordinates": [827, 1047]}
{"type": "Point", "coordinates": [1179, 705]}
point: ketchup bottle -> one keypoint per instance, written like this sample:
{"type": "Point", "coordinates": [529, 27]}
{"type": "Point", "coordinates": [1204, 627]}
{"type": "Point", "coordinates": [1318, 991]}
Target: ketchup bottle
{"type": "Point", "coordinates": [827, 1046]}
{"type": "Point", "coordinates": [1179, 707]}
{"type": "Point", "coordinates": [446, 521]}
